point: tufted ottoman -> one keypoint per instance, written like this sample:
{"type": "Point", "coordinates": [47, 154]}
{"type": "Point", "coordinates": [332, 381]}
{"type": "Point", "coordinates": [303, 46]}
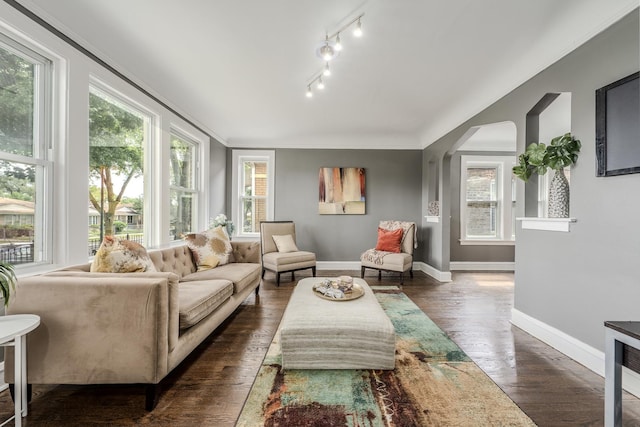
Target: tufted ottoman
{"type": "Point", "coordinates": [321, 334]}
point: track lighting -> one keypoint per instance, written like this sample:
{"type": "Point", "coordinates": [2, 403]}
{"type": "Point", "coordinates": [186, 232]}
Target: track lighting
{"type": "Point", "coordinates": [327, 71]}
{"type": "Point", "coordinates": [338, 45]}
{"type": "Point", "coordinates": [358, 30]}
{"type": "Point", "coordinates": [329, 50]}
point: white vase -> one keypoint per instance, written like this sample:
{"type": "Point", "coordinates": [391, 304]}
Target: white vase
{"type": "Point", "coordinates": [559, 196]}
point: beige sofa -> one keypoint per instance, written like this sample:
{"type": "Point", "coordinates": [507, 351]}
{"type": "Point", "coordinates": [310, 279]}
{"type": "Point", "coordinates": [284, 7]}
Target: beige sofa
{"type": "Point", "coordinates": [128, 328]}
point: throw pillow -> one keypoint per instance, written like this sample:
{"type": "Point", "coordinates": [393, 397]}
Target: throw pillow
{"type": "Point", "coordinates": [121, 256]}
{"type": "Point", "coordinates": [210, 248]}
{"type": "Point", "coordinates": [389, 240]}
{"type": "Point", "coordinates": [285, 243]}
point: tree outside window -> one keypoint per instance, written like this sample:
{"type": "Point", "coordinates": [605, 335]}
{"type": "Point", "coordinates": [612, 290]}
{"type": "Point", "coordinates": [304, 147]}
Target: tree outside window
{"type": "Point", "coordinates": [116, 159]}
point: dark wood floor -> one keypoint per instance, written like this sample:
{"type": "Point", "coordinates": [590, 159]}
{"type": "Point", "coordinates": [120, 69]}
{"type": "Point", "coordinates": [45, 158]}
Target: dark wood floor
{"type": "Point", "coordinates": [209, 388]}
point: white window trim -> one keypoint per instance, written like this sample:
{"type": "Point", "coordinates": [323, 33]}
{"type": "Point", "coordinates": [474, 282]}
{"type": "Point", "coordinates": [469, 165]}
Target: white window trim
{"type": "Point", "coordinates": [503, 164]}
{"type": "Point", "coordinates": [43, 145]}
{"type": "Point", "coordinates": [196, 188]}
{"type": "Point", "coordinates": [239, 156]}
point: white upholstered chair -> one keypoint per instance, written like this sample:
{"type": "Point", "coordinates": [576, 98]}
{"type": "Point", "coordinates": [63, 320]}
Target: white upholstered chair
{"type": "Point", "coordinates": [280, 253]}
{"type": "Point", "coordinates": [400, 262]}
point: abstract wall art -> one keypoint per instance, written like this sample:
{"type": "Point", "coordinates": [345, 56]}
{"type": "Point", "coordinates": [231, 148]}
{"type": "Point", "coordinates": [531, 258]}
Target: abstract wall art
{"type": "Point", "coordinates": [342, 191]}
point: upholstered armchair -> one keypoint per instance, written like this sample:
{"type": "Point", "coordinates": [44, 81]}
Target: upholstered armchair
{"type": "Point", "coordinates": [280, 254]}
{"type": "Point", "coordinates": [393, 251]}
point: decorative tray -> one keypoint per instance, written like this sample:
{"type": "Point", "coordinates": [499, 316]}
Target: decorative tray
{"type": "Point", "coordinates": [333, 291]}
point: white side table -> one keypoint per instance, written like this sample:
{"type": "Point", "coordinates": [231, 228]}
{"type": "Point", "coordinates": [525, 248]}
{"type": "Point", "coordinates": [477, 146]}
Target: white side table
{"type": "Point", "coordinates": [13, 332]}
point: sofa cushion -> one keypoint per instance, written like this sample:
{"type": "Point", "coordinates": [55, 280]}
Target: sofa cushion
{"type": "Point", "coordinates": [241, 274]}
{"type": "Point", "coordinates": [198, 299]}
{"type": "Point", "coordinates": [121, 256]}
{"type": "Point", "coordinates": [210, 248]}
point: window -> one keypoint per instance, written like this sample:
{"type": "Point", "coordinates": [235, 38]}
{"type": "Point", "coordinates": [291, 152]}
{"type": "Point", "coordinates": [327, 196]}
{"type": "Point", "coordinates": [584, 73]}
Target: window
{"type": "Point", "coordinates": [253, 183]}
{"type": "Point", "coordinates": [487, 200]}
{"type": "Point", "coordinates": [118, 135]}
{"type": "Point", "coordinates": [25, 140]}
{"type": "Point", "coordinates": [183, 192]}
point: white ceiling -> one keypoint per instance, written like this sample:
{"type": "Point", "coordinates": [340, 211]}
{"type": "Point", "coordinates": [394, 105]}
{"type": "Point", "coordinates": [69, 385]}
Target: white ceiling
{"type": "Point", "coordinates": [239, 68]}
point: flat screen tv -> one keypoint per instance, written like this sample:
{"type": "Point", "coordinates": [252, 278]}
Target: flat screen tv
{"type": "Point", "coordinates": [618, 127]}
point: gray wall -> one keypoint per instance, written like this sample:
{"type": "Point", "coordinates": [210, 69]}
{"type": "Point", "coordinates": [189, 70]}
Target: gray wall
{"type": "Point", "coordinates": [472, 253]}
{"type": "Point", "coordinates": [218, 179]}
{"type": "Point", "coordinates": [574, 281]}
{"type": "Point", "coordinates": [393, 191]}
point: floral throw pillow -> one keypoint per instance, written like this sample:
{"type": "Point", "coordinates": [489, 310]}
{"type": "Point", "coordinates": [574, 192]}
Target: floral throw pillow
{"type": "Point", "coordinates": [121, 256]}
{"type": "Point", "coordinates": [210, 248]}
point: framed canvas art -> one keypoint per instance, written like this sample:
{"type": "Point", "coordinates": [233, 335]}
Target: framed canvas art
{"type": "Point", "coordinates": [342, 191]}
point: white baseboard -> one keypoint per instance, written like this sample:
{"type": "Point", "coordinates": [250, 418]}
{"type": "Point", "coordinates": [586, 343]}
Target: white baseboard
{"type": "Point", "coordinates": [481, 266]}
{"type": "Point", "coordinates": [440, 276]}
{"type": "Point", "coordinates": [572, 347]}
{"type": "Point", "coordinates": [338, 265]}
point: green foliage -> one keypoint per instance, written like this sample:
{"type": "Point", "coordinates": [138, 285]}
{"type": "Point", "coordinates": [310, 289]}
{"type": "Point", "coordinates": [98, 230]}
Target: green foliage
{"type": "Point", "coordinates": [115, 137]}
{"type": "Point", "coordinates": [7, 281]}
{"type": "Point", "coordinates": [560, 153]}
{"type": "Point", "coordinates": [119, 226]}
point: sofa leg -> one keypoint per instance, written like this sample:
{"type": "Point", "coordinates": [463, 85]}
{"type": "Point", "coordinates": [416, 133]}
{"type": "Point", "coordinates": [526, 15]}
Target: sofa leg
{"type": "Point", "coordinates": [362, 272]}
{"type": "Point", "coordinates": [263, 270]}
{"type": "Point", "coordinates": [379, 274]}
{"type": "Point", "coordinates": [152, 392]}
{"type": "Point", "coordinates": [411, 273]}
{"type": "Point", "coordinates": [401, 278]}
{"type": "Point", "coordinates": [293, 276]}
{"type": "Point", "coordinates": [257, 289]}
{"type": "Point", "coordinates": [278, 279]}
{"type": "Point", "coordinates": [313, 271]}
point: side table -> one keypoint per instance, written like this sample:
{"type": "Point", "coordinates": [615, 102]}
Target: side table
{"type": "Point", "coordinates": [620, 338]}
{"type": "Point", "coordinates": [13, 332]}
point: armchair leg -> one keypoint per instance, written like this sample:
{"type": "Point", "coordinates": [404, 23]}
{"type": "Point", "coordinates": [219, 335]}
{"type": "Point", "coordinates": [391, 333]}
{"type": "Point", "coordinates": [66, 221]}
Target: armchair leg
{"type": "Point", "coordinates": [401, 278]}
{"type": "Point", "coordinates": [362, 272]}
{"type": "Point", "coordinates": [313, 271]}
{"type": "Point", "coordinates": [257, 289]}
{"type": "Point", "coordinates": [379, 274]}
{"type": "Point", "coordinates": [278, 279]}
{"type": "Point", "coordinates": [263, 271]}
{"type": "Point", "coordinates": [293, 276]}
{"type": "Point", "coordinates": [411, 273]}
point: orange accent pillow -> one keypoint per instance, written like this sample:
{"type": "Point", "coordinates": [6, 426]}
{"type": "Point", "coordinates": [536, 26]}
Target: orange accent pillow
{"type": "Point", "coordinates": [389, 240]}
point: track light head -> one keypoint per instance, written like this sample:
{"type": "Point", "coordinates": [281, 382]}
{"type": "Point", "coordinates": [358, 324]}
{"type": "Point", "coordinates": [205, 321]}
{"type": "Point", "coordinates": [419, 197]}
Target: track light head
{"type": "Point", "coordinates": [338, 45]}
{"type": "Point", "coordinates": [327, 71]}
{"type": "Point", "coordinates": [309, 93]}
{"type": "Point", "coordinates": [320, 83]}
{"type": "Point", "coordinates": [358, 30]}
{"type": "Point", "coordinates": [327, 52]}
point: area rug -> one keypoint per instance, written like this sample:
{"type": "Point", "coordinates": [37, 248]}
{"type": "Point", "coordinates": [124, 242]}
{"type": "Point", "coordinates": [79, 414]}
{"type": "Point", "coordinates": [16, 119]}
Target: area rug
{"type": "Point", "coordinates": [434, 383]}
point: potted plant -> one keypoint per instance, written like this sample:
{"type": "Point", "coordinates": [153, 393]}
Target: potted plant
{"type": "Point", "coordinates": [560, 153]}
{"type": "Point", "coordinates": [7, 281]}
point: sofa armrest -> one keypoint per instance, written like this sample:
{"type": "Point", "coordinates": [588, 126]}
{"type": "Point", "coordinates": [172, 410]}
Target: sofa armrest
{"type": "Point", "coordinates": [246, 252]}
{"type": "Point", "coordinates": [96, 328]}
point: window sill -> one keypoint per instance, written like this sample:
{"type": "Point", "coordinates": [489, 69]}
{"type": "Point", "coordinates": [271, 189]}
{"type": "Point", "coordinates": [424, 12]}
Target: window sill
{"type": "Point", "coordinates": [487, 242]}
{"type": "Point", "coordinates": [547, 224]}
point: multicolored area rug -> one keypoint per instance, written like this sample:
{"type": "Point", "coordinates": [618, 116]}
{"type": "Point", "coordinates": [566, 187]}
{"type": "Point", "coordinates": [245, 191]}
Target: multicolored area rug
{"type": "Point", "coordinates": [434, 384]}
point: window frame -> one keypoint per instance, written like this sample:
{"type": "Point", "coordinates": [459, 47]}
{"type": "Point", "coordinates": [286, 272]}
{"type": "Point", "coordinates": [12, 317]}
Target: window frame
{"type": "Point", "coordinates": [505, 233]}
{"type": "Point", "coordinates": [238, 159]}
{"type": "Point", "coordinates": [195, 189]}
{"type": "Point", "coordinates": [151, 185]}
{"type": "Point", "coordinates": [42, 148]}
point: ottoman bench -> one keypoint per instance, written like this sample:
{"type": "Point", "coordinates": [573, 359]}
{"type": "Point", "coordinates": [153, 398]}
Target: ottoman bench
{"type": "Point", "coordinates": [317, 333]}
